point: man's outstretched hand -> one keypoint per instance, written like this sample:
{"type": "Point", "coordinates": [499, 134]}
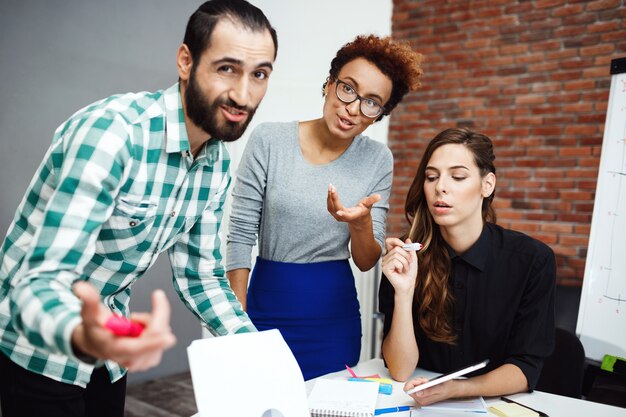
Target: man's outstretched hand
{"type": "Point", "coordinates": [140, 353]}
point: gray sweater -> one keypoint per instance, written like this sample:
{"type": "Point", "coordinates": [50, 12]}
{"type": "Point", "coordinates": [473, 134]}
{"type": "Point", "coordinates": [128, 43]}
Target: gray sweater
{"type": "Point", "coordinates": [282, 198]}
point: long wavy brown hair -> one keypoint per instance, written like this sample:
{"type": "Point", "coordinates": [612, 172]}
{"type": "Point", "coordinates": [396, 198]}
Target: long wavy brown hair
{"type": "Point", "coordinates": [432, 287]}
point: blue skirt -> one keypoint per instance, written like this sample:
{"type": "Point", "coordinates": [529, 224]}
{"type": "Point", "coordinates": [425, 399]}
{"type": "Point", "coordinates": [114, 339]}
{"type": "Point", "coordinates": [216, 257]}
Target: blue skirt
{"type": "Point", "coordinates": [314, 306]}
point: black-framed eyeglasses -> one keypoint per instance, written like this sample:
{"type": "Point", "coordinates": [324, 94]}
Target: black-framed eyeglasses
{"type": "Point", "coordinates": [347, 94]}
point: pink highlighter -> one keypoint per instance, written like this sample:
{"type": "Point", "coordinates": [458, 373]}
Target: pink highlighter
{"type": "Point", "coordinates": [121, 326]}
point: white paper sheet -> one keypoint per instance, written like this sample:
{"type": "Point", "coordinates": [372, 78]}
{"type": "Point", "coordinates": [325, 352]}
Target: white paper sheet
{"type": "Point", "coordinates": [247, 374]}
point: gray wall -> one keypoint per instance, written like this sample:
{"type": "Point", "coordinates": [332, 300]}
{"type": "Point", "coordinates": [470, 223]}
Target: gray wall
{"type": "Point", "coordinates": [58, 56]}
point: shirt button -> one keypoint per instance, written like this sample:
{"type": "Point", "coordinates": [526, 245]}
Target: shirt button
{"type": "Point", "coordinates": [133, 223]}
{"type": "Point", "coordinates": [173, 213]}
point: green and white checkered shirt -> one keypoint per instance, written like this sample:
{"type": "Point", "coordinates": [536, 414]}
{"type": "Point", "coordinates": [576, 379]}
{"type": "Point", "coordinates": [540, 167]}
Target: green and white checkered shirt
{"type": "Point", "coordinates": [117, 187]}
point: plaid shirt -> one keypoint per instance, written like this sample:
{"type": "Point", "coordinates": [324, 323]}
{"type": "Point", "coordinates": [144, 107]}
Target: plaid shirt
{"type": "Point", "coordinates": [117, 187]}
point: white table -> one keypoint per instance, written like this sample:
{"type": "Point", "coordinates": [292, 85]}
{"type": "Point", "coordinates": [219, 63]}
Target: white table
{"type": "Point", "coordinates": [553, 405]}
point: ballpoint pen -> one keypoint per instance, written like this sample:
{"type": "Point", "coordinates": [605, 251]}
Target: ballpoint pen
{"type": "Point", "coordinates": [380, 411]}
{"type": "Point", "coordinates": [508, 400]}
{"type": "Point", "coordinates": [412, 246]}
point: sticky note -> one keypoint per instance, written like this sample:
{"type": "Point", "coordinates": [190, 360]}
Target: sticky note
{"type": "Point", "coordinates": [512, 410]}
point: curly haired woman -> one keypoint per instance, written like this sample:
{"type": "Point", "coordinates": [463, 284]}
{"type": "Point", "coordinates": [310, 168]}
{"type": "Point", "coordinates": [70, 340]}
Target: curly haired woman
{"type": "Point", "coordinates": [288, 193]}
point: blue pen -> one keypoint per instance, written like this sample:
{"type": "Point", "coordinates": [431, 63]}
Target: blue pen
{"type": "Point", "coordinates": [391, 410]}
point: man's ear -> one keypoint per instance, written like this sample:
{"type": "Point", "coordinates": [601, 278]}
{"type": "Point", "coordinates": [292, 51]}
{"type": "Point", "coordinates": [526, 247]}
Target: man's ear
{"type": "Point", "coordinates": [489, 184]}
{"type": "Point", "coordinates": [184, 63]}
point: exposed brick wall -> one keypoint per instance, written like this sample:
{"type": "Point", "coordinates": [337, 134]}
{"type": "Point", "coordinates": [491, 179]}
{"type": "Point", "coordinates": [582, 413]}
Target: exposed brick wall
{"type": "Point", "coordinates": [532, 75]}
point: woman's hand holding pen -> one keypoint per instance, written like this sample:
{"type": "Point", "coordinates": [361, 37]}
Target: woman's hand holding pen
{"type": "Point", "coordinates": [400, 266]}
{"type": "Point", "coordinates": [358, 215]}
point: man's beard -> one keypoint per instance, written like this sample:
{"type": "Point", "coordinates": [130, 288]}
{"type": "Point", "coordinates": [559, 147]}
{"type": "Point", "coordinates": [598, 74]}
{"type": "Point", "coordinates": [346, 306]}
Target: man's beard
{"type": "Point", "coordinates": [205, 115]}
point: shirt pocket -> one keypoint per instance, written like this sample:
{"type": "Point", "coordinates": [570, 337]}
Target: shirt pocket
{"type": "Point", "coordinates": [130, 224]}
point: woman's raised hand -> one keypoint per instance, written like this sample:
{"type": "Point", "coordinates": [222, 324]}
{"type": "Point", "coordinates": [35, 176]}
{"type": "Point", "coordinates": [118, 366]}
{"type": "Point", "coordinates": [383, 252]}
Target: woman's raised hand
{"type": "Point", "coordinates": [400, 265]}
{"type": "Point", "coordinates": [354, 215]}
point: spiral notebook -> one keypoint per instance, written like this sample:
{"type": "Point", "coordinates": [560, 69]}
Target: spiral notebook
{"type": "Point", "coordinates": [336, 397]}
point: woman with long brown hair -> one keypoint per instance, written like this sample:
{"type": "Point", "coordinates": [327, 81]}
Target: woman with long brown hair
{"type": "Point", "coordinates": [480, 291]}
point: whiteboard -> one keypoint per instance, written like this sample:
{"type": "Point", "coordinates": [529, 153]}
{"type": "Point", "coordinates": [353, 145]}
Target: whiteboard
{"type": "Point", "coordinates": [601, 323]}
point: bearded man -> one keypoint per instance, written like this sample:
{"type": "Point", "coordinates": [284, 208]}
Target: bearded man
{"type": "Point", "coordinates": [127, 178]}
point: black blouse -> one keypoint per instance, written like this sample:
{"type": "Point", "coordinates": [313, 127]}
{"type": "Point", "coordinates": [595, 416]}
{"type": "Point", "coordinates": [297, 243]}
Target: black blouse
{"type": "Point", "coordinates": [504, 288]}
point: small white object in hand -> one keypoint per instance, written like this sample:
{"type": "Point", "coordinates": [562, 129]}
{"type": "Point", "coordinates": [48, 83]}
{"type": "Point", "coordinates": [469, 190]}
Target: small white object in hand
{"type": "Point", "coordinates": [412, 246]}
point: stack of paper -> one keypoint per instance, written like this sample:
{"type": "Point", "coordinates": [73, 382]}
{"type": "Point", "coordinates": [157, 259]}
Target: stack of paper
{"type": "Point", "coordinates": [247, 374]}
{"type": "Point", "coordinates": [468, 405]}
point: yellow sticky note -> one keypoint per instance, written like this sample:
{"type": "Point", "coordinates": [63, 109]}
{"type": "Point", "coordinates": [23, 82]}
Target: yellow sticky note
{"type": "Point", "coordinates": [511, 410]}
{"type": "Point", "coordinates": [380, 380]}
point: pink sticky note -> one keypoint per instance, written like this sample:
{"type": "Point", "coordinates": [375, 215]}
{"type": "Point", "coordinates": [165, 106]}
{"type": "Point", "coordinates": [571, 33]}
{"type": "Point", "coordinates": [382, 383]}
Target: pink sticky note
{"type": "Point", "coordinates": [121, 326]}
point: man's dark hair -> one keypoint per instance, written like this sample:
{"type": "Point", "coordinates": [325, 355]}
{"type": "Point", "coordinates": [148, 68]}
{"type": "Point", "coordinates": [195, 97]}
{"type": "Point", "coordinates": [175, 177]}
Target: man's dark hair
{"type": "Point", "coordinates": [203, 21]}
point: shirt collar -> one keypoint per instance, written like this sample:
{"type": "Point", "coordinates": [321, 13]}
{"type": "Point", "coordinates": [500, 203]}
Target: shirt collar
{"type": "Point", "coordinates": [477, 254]}
{"type": "Point", "coordinates": [176, 138]}
{"type": "Point", "coordinates": [212, 151]}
